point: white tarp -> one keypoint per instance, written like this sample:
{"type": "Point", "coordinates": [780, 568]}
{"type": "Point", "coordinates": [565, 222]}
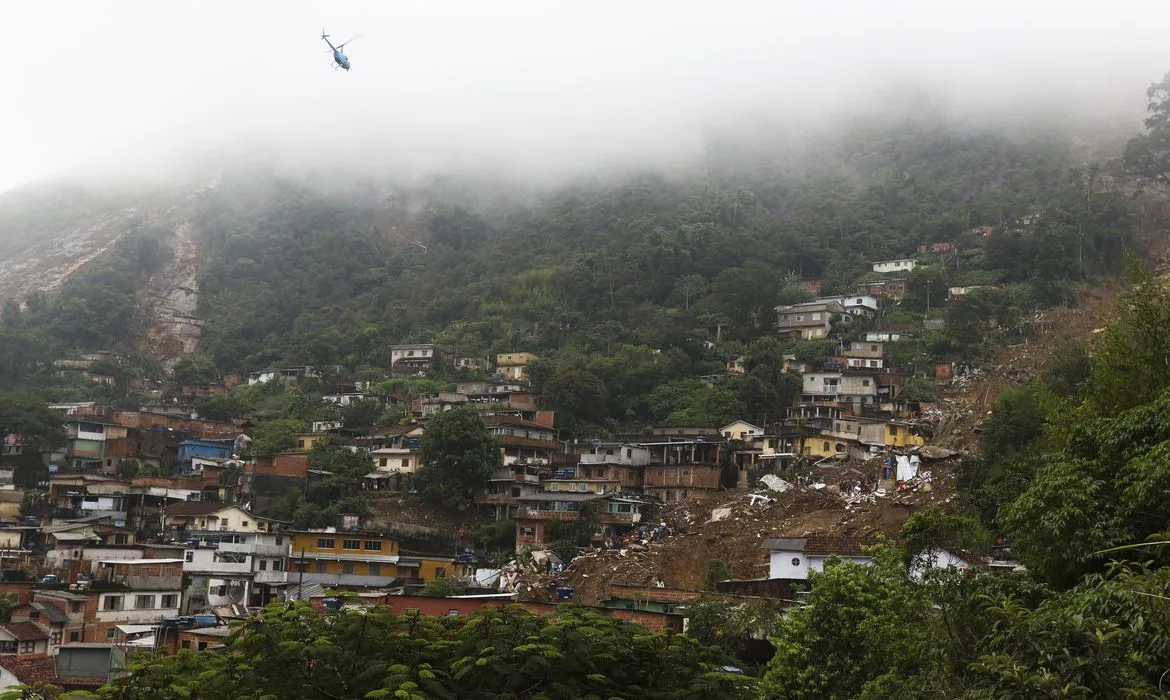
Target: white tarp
{"type": "Point", "coordinates": [907, 467]}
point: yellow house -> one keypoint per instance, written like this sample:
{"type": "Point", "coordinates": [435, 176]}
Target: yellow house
{"type": "Point", "coordinates": [511, 365]}
{"type": "Point", "coordinates": [823, 446]}
{"type": "Point", "coordinates": [305, 442]}
{"type": "Point", "coordinates": [899, 435]}
{"type": "Point", "coordinates": [343, 559]}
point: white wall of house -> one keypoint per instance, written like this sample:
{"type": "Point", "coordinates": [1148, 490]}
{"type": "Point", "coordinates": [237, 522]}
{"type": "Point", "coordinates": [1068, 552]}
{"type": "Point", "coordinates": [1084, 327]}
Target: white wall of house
{"type": "Point", "coordinates": [904, 265]}
{"type": "Point", "coordinates": [138, 607]}
{"type": "Point", "coordinates": [789, 563]}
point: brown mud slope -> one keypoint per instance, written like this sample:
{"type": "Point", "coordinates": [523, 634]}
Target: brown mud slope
{"type": "Point", "coordinates": [681, 559]}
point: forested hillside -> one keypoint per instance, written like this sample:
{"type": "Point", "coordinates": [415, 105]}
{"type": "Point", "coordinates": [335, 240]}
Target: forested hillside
{"type": "Point", "coordinates": [631, 287]}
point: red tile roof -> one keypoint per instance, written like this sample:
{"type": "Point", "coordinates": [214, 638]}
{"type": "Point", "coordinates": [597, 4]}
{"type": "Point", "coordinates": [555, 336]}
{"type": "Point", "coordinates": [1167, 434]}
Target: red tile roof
{"type": "Point", "coordinates": [24, 631]}
{"type": "Point", "coordinates": [30, 668]}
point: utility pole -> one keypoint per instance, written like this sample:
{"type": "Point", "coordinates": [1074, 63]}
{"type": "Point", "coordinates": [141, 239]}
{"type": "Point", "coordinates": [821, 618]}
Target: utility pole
{"type": "Point", "coordinates": [928, 296]}
{"type": "Point", "coordinates": [301, 578]}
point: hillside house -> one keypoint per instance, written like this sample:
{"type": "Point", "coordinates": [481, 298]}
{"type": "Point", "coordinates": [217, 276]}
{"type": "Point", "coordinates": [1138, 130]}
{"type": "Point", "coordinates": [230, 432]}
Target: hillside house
{"type": "Point", "coordinates": [512, 365]}
{"type": "Point", "coordinates": [939, 248]}
{"type": "Point", "coordinates": [793, 558]}
{"type": "Point", "coordinates": [892, 289]}
{"type": "Point", "coordinates": [472, 364]}
{"type": "Point", "coordinates": [741, 431]}
{"type": "Point", "coordinates": [808, 321]}
{"type": "Point", "coordinates": [416, 359]}
{"type": "Point", "coordinates": [735, 367]}
{"type": "Point", "coordinates": [900, 265]}
{"type": "Point", "coordinates": [345, 560]}
{"type": "Point", "coordinates": [616, 514]}
{"type": "Point", "coordinates": [287, 375]}
{"type": "Point", "coordinates": [953, 292]}
{"type": "Point", "coordinates": [523, 440]}
{"type": "Point", "coordinates": [234, 568]}
{"type": "Point", "coordinates": [839, 387]}
{"type": "Point", "coordinates": [882, 337]}
{"type": "Point", "coordinates": [23, 638]}
{"type": "Point", "coordinates": [862, 305]}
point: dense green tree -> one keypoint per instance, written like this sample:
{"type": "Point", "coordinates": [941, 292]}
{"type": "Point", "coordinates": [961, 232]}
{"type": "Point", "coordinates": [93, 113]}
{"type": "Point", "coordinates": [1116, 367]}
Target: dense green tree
{"type": "Point", "coordinates": [25, 414]}
{"type": "Point", "coordinates": [290, 651]}
{"type": "Point", "coordinates": [457, 455]}
{"type": "Point", "coordinates": [861, 634]}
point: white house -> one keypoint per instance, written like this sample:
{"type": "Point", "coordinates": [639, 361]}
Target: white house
{"type": "Point", "coordinates": [903, 265]}
{"type": "Point", "coordinates": [856, 304]}
{"type": "Point", "coordinates": [403, 460]}
{"type": "Point", "coordinates": [835, 386]}
{"type": "Point", "coordinates": [794, 558]}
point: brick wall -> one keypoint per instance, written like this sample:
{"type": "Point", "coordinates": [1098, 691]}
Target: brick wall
{"type": "Point", "coordinates": [624, 591]}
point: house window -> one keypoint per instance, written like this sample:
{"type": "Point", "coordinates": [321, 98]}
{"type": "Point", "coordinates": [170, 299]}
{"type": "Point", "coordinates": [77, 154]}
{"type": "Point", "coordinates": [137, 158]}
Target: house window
{"type": "Point", "coordinates": [873, 348]}
{"type": "Point", "coordinates": [75, 607]}
{"type": "Point", "coordinates": [28, 647]}
{"type": "Point", "coordinates": [113, 602]}
{"type": "Point", "coordinates": [121, 539]}
{"type": "Point", "coordinates": [405, 461]}
{"type": "Point", "coordinates": [382, 462]}
{"type": "Point", "coordinates": [373, 546]}
{"type": "Point", "coordinates": [189, 556]}
{"type": "Point", "coordinates": [326, 543]}
{"type": "Point", "coordinates": [110, 633]}
{"type": "Point", "coordinates": [144, 602]}
{"type": "Point", "coordinates": [796, 561]}
{"type": "Point", "coordinates": [263, 565]}
{"type": "Point", "coordinates": [244, 523]}
{"type": "Point", "coordinates": [186, 644]}
{"type": "Point", "coordinates": [527, 532]}
{"type": "Point", "coordinates": [322, 567]}
{"type": "Point", "coordinates": [277, 565]}
{"type": "Point", "coordinates": [893, 430]}
{"type": "Point", "coordinates": [279, 541]}
{"type": "Point", "coordinates": [440, 572]}
{"type": "Point", "coordinates": [55, 638]}
{"type": "Point", "coordinates": [351, 544]}
{"type": "Point", "coordinates": [816, 317]}
{"type": "Point", "coordinates": [375, 569]}
{"type": "Point", "coordinates": [873, 363]}
{"type": "Point", "coordinates": [864, 382]}
{"type": "Point", "coordinates": [7, 647]}
{"type": "Point", "coordinates": [826, 446]}
{"type": "Point", "coordinates": [347, 567]}
{"type": "Point", "coordinates": [799, 317]}
{"type": "Point", "coordinates": [170, 601]}
{"type": "Point", "coordinates": [554, 487]}
{"type": "Point", "coordinates": [75, 636]}
{"type": "Point", "coordinates": [301, 444]}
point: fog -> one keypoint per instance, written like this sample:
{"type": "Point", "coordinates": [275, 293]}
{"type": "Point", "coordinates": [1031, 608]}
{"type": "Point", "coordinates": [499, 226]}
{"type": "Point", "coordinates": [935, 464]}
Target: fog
{"type": "Point", "coordinates": [539, 90]}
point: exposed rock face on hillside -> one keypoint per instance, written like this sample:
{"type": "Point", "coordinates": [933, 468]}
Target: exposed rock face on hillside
{"type": "Point", "coordinates": [44, 266]}
{"type": "Point", "coordinates": [167, 298]}
{"type": "Point", "coordinates": [167, 301]}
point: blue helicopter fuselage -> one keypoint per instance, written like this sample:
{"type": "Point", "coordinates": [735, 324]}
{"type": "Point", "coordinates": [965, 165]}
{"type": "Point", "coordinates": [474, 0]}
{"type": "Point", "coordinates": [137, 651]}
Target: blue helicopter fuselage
{"type": "Point", "coordinates": [341, 59]}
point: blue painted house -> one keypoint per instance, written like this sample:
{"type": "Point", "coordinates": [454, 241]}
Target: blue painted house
{"type": "Point", "coordinates": [211, 449]}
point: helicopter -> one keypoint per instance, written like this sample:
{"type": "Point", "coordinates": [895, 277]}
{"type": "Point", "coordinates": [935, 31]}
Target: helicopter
{"type": "Point", "coordinates": [339, 58]}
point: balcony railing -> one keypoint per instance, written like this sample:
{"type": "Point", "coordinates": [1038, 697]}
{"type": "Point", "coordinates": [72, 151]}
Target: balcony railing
{"type": "Point", "coordinates": [536, 514]}
{"type": "Point", "coordinates": [271, 577]}
{"type": "Point", "coordinates": [255, 549]}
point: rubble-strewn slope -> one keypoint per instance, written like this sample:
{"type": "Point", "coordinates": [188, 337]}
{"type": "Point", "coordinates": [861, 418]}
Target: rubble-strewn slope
{"type": "Point", "coordinates": [728, 526]}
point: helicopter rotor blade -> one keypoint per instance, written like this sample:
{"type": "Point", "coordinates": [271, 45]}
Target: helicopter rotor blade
{"type": "Point", "coordinates": [355, 36]}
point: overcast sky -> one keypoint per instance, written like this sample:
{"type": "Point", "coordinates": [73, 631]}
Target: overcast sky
{"type": "Point", "coordinates": [550, 86]}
